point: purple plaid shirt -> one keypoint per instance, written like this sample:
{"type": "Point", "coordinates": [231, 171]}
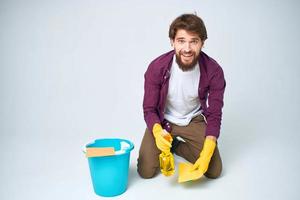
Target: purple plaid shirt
{"type": "Point", "coordinates": [211, 91]}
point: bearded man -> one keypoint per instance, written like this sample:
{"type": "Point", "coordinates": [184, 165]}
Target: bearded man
{"type": "Point", "coordinates": [183, 100]}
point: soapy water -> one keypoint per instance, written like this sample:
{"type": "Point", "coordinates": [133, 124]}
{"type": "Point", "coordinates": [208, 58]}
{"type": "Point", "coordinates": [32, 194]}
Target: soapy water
{"type": "Point", "coordinates": [124, 147]}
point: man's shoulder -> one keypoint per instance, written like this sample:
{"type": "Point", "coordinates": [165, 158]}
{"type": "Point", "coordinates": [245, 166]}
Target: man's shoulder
{"type": "Point", "coordinates": [211, 65]}
{"type": "Point", "coordinates": [162, 60]}
{"type": "Point", "coordinates": [159, 65]}
{"type": "Point", "coordinates": [209, 62]}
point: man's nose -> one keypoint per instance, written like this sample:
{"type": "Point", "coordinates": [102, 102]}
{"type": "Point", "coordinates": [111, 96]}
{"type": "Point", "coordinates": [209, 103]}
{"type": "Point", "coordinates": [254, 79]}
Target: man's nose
{"type": "Point", "coordinates": [187, 47]}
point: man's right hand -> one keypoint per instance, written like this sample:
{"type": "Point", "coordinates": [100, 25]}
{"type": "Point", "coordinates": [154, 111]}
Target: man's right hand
{"type": "Point", "coordinates": [163, 139]}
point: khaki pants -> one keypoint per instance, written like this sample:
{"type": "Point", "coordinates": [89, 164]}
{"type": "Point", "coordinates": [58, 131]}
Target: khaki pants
{"type": "Point", "coordinates": [193, 134]}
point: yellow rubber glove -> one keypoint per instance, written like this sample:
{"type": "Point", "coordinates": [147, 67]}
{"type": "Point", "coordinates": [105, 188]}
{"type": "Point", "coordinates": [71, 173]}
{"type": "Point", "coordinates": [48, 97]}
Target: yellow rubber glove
{"type": "Point", "coordinates": [163, 139]}
{"type": "Point", "coordinates": [207, 151]}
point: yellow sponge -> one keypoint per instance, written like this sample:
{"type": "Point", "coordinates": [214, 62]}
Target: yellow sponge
{"type": "Point", "coordinates": [187, 174]}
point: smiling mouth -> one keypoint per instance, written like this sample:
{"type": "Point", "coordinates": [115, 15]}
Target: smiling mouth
{"type": "Point", "coordinates": [187, 57]}
{"type": "Point", "coordinates": [190, 54]}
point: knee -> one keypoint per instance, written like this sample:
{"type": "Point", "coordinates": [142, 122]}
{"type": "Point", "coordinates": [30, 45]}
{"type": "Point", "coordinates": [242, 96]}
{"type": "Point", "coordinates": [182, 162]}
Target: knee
{"type": "Point", "coordinates": [146, 171]}
{"type": "Point", "coordinates": [146, 174]}
{"type": "Point", "coordinates": [215, 173]}
{"type": "Point", "coordinates": [213, 176]}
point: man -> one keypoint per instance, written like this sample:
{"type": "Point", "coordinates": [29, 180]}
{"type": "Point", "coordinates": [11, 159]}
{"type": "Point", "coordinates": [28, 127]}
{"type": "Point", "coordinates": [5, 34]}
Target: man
{"type": "Point", "coordinates": [183, 99]}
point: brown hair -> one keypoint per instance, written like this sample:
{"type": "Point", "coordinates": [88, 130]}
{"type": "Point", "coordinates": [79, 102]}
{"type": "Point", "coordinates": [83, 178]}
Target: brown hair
{"type": "Point", "coordinates": [188, 22]}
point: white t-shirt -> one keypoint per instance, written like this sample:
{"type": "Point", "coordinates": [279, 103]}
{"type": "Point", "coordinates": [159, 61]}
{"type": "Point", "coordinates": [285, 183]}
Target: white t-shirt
{"type": "Point", "coordinates": [182, 100]}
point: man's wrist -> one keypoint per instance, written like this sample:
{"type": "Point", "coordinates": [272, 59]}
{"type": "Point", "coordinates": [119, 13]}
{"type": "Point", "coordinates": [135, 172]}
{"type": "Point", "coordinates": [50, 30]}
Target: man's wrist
{"type": "Point", "coordinates": [211, 137]}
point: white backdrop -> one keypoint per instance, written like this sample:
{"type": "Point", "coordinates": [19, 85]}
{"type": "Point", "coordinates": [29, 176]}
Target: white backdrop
{"type": "Point", "coordinates": [72, 71]}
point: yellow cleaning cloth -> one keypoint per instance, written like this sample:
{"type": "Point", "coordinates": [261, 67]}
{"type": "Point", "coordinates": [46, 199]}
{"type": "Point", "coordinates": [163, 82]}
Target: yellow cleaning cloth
{"type": "Point", "coordinates": [187, 174]}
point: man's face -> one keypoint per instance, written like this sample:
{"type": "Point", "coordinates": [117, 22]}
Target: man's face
{"type": "Point", "coordinates": [187, 46]}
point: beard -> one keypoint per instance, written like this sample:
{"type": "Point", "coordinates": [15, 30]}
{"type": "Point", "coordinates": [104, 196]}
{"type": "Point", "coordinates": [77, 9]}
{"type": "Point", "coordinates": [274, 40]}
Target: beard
{"type": "Point", "coordinates": [187, 66]}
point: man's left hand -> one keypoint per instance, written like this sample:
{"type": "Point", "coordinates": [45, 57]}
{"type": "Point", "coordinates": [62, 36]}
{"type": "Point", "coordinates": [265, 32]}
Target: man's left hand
{"type": "Point", "coordinates": [207, 151]}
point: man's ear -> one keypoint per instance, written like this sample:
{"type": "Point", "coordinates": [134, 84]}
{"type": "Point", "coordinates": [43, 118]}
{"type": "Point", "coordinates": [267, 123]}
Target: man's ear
{"type": "Point", "coordinates": [172, 42]}
{"type": "Point", "coordinates": [202, 45]}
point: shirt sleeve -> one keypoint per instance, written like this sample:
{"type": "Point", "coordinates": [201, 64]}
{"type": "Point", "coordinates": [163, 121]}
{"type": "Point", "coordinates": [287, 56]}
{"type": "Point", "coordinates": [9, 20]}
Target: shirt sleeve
{"type": "Point", "coordinates": [215, 103]}
{"type": "Point", "coordinates": [152, 88]}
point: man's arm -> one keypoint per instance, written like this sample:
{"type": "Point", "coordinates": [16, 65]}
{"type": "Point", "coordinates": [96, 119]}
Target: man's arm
{"type": "Point", "coordinates": [215, 103]}
{"type": "Point", "coordinates": [151, 97]}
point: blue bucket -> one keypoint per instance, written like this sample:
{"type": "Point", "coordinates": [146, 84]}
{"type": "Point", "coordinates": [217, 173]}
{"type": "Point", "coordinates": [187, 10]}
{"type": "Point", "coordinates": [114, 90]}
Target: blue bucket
{"type": "Point", "coordinates": [110, 173]}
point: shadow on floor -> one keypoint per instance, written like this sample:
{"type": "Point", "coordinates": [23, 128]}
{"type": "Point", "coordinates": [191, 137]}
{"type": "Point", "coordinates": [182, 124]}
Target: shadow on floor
{"type": "Point", "coordinates": [133, 175]}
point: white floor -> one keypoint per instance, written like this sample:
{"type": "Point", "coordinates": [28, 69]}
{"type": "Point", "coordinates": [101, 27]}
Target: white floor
{"type": "Point", "coordinates": [254, 168]}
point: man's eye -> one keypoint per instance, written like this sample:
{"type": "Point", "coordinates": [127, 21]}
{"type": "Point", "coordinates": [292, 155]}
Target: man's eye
{"type": "Point", "coordinates": [181, 41]}
{"type": "Point", "coordinates": [194, 42]}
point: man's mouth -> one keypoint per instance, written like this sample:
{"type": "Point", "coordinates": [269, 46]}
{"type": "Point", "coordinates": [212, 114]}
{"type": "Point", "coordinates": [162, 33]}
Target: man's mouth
{"type": "Point", "coordinates": [187, 56]}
